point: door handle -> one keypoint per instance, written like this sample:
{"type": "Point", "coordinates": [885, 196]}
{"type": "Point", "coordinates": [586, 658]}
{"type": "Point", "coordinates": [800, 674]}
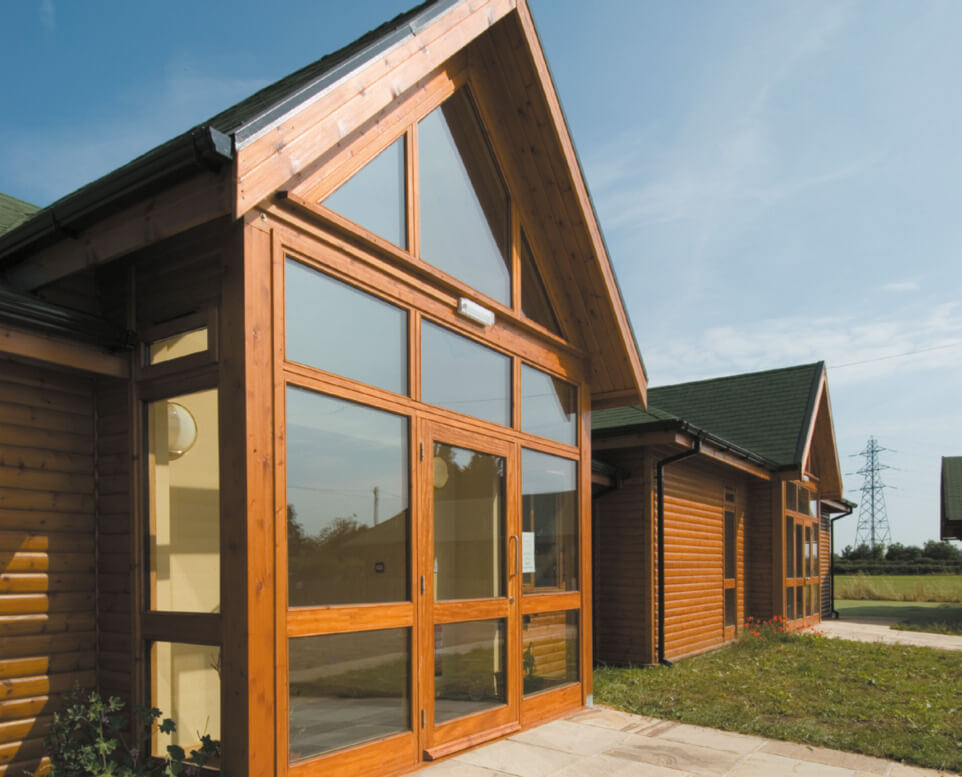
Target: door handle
{"type": "Point", "coordinates": [517, 553]}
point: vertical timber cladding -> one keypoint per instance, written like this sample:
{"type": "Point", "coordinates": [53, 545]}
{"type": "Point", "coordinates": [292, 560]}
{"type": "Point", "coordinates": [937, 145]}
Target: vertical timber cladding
{"type": "Point", "coordinates": [694, 555]}
{"type": "Point", "coordinates": [47, 579]}
{"type": "Point", "coordinates": [622, 548]}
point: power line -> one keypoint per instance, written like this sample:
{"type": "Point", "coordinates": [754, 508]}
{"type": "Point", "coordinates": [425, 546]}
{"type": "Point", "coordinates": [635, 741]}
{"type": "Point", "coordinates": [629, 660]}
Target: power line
{"type": "Point", "coordinates": [896, 355]}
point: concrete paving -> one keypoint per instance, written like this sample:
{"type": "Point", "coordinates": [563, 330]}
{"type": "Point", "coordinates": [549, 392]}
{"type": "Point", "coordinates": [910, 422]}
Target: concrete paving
{"type": "Point", "coordinates": [602, 742]}
{"type": "Point", "coordinates": [877, 630]}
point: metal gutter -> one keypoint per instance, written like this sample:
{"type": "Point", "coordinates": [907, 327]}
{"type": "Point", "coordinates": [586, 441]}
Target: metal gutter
{"type": "Point", "coordinates": [42, 317]}
{"type": "Point", "coordinates": [202, 149]}
{"type": "Point", "coordinates": [660, 479]}
{"type": "Point", "coordinates": [850, 506]}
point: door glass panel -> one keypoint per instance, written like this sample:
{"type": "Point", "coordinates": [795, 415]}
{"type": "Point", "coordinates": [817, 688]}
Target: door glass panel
{"type": "Point", "coordinates": [549, 521]}
{"type": "Point", "coordinates": [534, 298]}
{"type": "Point", "coordinates": [337, 328]}
{"type": "Point", "coordinates": [464, 203]}
{"type": "Point", "coordinates": [549, 406]}
{"type": "Point", "coordinates": [464, 376]}
{"type": "Point", "coordinates": [184, 485]}
{"type": "Point", "coordinates": [550, 657]}
{"type": "Point", "coordinates": [469, 523]}
{"type": "Point", "coordinates": [374, 196]}
{"type": "Point", "coordinates": [348, 688]}
{"type": "Point", "coordinates": [469, 668]}
{"type": "Point", "coordinates": [731, 606]}
{"type": "Point", "coordinates": [347, 502]}
{"type": "Point", "coordinates": [185, 686]}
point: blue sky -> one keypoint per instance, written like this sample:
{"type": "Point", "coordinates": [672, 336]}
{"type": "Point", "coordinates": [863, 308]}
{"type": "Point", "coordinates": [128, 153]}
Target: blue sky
{"type": "Point", "coordinates": [778, 183]}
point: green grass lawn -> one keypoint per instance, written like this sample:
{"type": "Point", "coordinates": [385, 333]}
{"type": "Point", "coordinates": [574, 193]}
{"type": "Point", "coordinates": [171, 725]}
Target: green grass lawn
{"type": "Point", "coordinates": [913, 588]}
{"type": "Point", "coordinates": [891, 701]}
{"type": "Point", "coordinates": [936, 617]}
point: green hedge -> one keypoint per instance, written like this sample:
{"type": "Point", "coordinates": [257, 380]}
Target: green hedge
{"type": "Point", "coordinates": [920, 567]}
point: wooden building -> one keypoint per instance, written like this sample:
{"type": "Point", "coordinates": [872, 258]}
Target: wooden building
{"type": "Point", "coordinates": [749, 476]}
{"type": "Point", "coordinates": [294, 414]}
{"type": "Point", "coordinates": [951, 498]}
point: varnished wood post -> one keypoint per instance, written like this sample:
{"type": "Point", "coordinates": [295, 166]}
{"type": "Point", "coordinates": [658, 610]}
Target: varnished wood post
{"type": "Point", "coordinates": [247, 567]}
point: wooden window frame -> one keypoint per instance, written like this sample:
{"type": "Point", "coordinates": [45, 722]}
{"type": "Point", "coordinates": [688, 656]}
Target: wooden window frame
{"type": "Point", "coordinates": [809, 573]}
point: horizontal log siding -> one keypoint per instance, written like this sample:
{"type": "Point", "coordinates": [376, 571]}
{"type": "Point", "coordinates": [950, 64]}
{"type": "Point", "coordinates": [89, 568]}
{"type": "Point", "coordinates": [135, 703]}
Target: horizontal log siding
{"type": "Point", "coordinates": [47, 553]}
{"type": "Point", "coordinates": [114, 543]}
{"type": "Point", "coordinates": [824, 565]}
{"type": "Point", "coordinates": [760, 583]}
{"type": "Point", "coordinates": [694, 555]}
{"type": "Point", "coordinates": [622, 565]}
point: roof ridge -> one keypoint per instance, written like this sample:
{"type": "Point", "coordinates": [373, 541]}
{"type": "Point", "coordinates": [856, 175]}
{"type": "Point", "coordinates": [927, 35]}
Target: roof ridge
{"type": "Point", "coordinates": [738, 375]}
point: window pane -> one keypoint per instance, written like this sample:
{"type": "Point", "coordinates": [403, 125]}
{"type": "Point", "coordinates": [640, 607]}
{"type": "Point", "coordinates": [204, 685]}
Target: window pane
{"type": "Point", "coordinates": [534, 298]}
{"type": "Point", "coordinates": [469, 523]}
{"type": "Point", "coordinates": [549, 406]}
{"type": "Point", "coordinates": [184, 487]}
{"type": "Point", "coordinates": [549, 522]}
{"type": "Point", "coordinates": [337, 328]}
{"type": "Point", "coordinates": [790, 603]}
{"type": "Point", "coordinates": [348, 688]}
{"type": "Point", "coordinates": [176, 346]}
{"type": "Point", "coordinates": [731, 607]}
{"type": "Point", "coordinates": [731, 540]}
{"type": "Point", "coordinates": [464, 376]}
{"type": "Point", "coordinates": [374, 196]}
{"type": "Point", "coordinates": [808, 551]}
{"type": "Point", "coordinates": [550, 655]}
{"type": "Point", "coordinates": [464, 204]}
{"type": "Point", "coordinates": [789, 548]}
{"type": "Point", "coordinates": [185, 686]}
{"type": "Point", "coordinates": [469, 668]}
{"type": "Point", "coordinates": [347, 502]}
{"type": "Point", "coordinates": [804, 502]}
{"type": "Point", "coordinates": [799, 604]}
{"type": "Point", "coordinates": [791, 496]}
{"type": "Point", "coordinates": [799, 552]}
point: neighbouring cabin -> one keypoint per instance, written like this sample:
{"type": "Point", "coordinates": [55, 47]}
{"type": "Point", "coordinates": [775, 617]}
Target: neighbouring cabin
{"type": "Point", "coordinates": [951, 498]}
{"type": "Point", "coordinates": [749, 473]}
{"type": "Point", "coordinates": [295, 412]}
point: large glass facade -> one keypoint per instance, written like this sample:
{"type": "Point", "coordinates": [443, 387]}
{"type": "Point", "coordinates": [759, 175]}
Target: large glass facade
{"type": "Point", "coordinates": [549, 406]}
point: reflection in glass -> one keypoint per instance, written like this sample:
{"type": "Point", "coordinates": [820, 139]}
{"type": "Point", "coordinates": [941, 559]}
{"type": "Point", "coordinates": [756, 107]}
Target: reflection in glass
{"type": "Point", "coordinates": [469, 523]}
{"type": "Point", "coordinates": [549, 522]}
{"type": "Point", "coordinates": [808, 551]}
{"type": "Point", "coordinates": [549, 406]}
{"type": "Point", "coordinates": [464, 204]}
{"type": "Point", "coordinates": [550, 656]}
{"type": "Point", "coordinates": [337, 328]}
{"type": "Point", "coordinates": [184, 486]}
{"type": "Point", "coordinates": [799, 551]}
{"type": "Point", "coordinates": [464, 376]}
{"type": "Point", "coordinates": [469, 668]}
{"type": "Point", "coordinates": [731, 607]}
{"type": "Point", "coordinates": [790, 603]}
{"type": "Point", "coordinates": [534, 298]}
{"type": "Point", "coordinates": [185, 684]}
{"type": "Point", "coordinates": [374, 196]}
{"type": "Point", "coordinates": [799, 603]}
{"type": "Point", "coordinates": [177, 346]}
{"type": "Point", "coordinates": [347, 502]}
{"type": "Point", "coordinates": [348, 688]}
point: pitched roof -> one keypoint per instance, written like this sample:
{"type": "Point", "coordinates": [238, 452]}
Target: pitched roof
{"type": "Point", "coordinates": [951, 496]}
{"type": "Point", "coordinates": [13, 212]}
{"type": "Point", "coordinates": [767, 414]}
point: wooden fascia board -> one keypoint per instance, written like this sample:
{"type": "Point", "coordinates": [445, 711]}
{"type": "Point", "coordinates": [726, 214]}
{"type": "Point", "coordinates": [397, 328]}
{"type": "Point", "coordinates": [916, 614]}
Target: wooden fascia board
{"type": "Point", "coordinates": [15, 341]}
{"type": "Point", "coordinates": [580, 190]}
{"type": "Point", "coordinates": [733, 460]}
{"type": "Point", "coordinates": [171, 212]}
{"type": "Point", "coordinates": [810, 430]}
{"type": "Point", "coordinates": [280, 155]}
{"type": "Point", "coordinates": [821, 433]}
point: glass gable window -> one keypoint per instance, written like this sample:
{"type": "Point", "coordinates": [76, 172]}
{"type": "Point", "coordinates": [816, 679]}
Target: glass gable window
{"type": "Point", "coordinates": [184, 487]}
{"type": "Point", "coordinates": [534, 298]}
{"type": "Point", "coordinates": [347, 502]}
{"type": "Point", "coordinates": [463, 201]}
{"type": "Point", "coordinates": [374, 197]}
{"type": "Point", "coordinates": [464, 376]}
{"type": "Point", "coordinates": [548, 406]}
{"type": "Point", "coordinates": [549, 518]}
{"type": "Point", "coordinates": [337, 328]}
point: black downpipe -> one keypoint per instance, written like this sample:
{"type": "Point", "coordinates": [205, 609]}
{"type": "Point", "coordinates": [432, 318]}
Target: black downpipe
{"type": "Point", "coordinates": [660, 479]}
{"type": "Point", "coordinates": [831, 557]}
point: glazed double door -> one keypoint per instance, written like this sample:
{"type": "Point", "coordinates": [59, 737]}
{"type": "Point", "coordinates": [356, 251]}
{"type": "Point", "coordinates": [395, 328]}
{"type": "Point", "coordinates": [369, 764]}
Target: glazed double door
{"type": "Point", "coordinates": [469, 586]}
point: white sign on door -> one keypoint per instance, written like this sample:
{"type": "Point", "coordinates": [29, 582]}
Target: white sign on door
{"type": "Point", "coordinates": [527, 552]}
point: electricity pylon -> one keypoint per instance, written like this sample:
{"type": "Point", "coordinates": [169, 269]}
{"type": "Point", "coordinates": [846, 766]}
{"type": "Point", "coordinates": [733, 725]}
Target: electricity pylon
{"type": "Point", "coordinates": [873, 521]}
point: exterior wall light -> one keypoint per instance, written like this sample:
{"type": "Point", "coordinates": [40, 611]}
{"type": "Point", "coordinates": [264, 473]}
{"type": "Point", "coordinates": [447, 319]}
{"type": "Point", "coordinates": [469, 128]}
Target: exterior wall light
{"type": "Point", "coordinates": [181, 430]}
{"type": "Point", "coordinates": [475, 312]}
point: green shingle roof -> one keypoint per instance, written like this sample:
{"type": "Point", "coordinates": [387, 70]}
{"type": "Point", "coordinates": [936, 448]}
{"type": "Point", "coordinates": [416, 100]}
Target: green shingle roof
{"type": "Point", "coordinates": [765, 413]}
{"type": "Point", "coordinates": [952, 488]}
{"type": "Point", "coordinates": [14, 211]}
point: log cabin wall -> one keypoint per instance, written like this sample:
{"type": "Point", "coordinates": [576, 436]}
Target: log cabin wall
{"type": "Point", "coordinates": [825, 564]}
{"type": "Point", "coordinates": [48, 638]}
{"type": "Point", "coordinates": [694, 555]}
{"type": "Point", "coordinates": [759, 597]}
{"type": "Point", "coordinates": [623, 554]}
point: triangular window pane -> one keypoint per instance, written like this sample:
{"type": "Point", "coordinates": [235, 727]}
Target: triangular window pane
{"type": "Point", "coordinates": [374, 196]}
{"type": "Point", "coordinates": [464, 202]}
{"type": "Point", "coordinates": [534, 298]}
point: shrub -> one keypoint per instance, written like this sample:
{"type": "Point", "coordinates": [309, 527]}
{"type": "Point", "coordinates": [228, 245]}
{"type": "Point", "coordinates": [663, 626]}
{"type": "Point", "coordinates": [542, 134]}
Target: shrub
{"type": "Point", "coordinates": [776, 629]}
{"type": "Point", "coordinates": [87, 739]}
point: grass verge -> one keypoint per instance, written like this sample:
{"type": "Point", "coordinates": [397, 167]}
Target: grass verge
{"type": "Point", "coordinates": [889, 701]}
{"type": "Point", "coordinates": [903, 588]}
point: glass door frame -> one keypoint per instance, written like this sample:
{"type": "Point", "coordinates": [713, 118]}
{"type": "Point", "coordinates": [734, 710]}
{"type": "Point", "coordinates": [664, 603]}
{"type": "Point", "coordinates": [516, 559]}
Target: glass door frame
{"type": "Point", "coordinates": [450, 736]}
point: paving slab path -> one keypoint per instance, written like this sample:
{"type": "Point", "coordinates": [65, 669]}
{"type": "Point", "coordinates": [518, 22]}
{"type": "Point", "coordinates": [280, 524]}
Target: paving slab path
{"type": "Point", "coordinates": [603, 742]}
{"type": "Point", "coordinates": [877, 630]}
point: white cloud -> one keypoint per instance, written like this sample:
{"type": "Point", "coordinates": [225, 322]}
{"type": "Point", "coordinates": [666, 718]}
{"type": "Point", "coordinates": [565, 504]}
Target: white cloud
{"type": "Point", "coordinates": [901, 286]}
{"type": "Point", "coordinates": [48, 15]}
